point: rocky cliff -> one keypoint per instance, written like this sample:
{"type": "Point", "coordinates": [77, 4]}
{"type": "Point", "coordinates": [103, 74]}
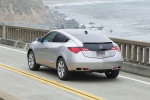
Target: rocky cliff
{"type": "Point", "coordinates": [22, 11]}
{"type": "Point", "coordinates": [32, 13]}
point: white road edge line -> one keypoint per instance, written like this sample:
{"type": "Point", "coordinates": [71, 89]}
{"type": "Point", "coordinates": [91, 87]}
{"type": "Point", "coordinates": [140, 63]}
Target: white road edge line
{"type": "Point", "coordinates": [134, 80]}
{"type": "Point", "coordinates": [119, 75]}
{"type": "Point", "coordinates": [13, 49]}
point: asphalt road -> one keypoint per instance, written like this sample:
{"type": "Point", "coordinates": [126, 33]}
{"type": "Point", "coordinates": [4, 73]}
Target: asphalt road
{"type": "Point", "coordinates": [21, 87]}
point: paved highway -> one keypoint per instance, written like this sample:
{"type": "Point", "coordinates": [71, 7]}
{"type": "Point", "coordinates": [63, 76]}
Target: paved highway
{"type": "Point", "coordinates": [18, 82]}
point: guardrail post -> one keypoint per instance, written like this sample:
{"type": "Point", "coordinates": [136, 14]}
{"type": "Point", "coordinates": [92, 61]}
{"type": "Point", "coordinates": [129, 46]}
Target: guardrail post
{"type": "Point", "coordinates": [4, 32]}
{"type": "Point", "coordinates": [30, 36]}
{"type": "Point", "coordinates": [124, 51]}
{"type": "Point", "coordinates": [129, 50]}
{"type": "Point", "coordinates": [146, 55]}
{"type": "Point", "coordinates": [0, 31]}
{"type": "Point", "coordinates": [134, 53]}
{"type": "Point", "coordinates": [140, 54]}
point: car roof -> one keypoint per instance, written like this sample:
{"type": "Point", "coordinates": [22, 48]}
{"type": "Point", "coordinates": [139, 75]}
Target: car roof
{"type": "Point", "coordinates": [79, 31]}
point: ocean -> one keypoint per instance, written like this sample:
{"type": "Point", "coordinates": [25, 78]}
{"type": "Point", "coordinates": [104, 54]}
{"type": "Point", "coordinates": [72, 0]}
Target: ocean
{"type": "Point", "coordinates": [129, 19]}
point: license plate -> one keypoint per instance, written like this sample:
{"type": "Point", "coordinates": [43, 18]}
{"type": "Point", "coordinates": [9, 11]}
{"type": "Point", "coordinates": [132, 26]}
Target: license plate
{"type": "Point", "coordinates": [101, 53]}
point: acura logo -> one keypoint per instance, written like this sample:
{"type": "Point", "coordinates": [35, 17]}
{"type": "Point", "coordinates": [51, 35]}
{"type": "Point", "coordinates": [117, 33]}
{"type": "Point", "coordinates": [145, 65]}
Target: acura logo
{"type": "Point", "coordinates": [101, 46]}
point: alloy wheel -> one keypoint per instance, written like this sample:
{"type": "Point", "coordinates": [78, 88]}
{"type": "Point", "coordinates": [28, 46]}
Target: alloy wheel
{"type": "Point", "coordinates": [31, 60]}
{"type": "Point", "coordinates": [61, 68]}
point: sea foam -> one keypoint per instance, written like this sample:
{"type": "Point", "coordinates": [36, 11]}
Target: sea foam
{"type": "Point", "coordinates": [92, 2]}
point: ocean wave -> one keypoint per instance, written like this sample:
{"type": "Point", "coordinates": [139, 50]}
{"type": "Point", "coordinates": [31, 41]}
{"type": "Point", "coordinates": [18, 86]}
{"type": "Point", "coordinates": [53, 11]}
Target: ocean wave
{"type": "Point", "coordinates": [92, 2]}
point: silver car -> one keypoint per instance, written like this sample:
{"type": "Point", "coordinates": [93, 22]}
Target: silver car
{"type": "Point", "coordinates": [75, 50]}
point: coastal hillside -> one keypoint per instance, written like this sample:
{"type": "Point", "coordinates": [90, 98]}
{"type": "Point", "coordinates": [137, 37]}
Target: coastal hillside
{"type": "Point", "coordinates": [22, 11]}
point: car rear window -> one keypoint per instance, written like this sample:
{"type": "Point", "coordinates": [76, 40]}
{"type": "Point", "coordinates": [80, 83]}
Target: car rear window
{"type": "Point", "coordinates": [92, 38]}
{"type": "Point", "coordinates": [98, 46]}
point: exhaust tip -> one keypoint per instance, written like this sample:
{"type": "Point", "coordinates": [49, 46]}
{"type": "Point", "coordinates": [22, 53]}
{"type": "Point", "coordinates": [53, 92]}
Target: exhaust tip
{"type": "Point", "coordinates": [115, 68]}
{"type": "Point", "coordinates": [82, 69]}
{"type": "Point", "coordinates": [78, 69]}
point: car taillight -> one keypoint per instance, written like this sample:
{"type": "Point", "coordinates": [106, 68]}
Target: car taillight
{"type": "Point", "coordinates": [77, 49]}
{"type": "Point", "coordinates": [115, 48]}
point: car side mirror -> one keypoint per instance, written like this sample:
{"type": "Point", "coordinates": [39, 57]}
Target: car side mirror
{"type": "Point", "coordinates": [39, 39]}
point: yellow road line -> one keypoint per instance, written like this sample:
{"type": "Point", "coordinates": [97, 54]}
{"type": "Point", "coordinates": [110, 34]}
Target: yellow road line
{"type": "Point", "coordinates": [56, 84]}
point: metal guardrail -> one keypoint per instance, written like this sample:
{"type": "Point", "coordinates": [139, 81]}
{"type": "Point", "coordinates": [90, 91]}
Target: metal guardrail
{"type": "Point", "coordinates": [21, 33]}
{"type": "Point", "coordinates": [136, 52]}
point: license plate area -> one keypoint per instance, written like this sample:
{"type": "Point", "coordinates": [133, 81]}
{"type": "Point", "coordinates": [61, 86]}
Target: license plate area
{"type": "Point", "coordinates": [100, 53]}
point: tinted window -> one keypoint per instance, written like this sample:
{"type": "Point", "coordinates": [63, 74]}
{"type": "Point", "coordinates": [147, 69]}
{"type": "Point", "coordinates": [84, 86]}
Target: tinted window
{"type": "Point", "coordinates": [61, 38]}
{"type": "Point", "coordinates": [92, 38]}
{"type": "Point", "coordinates": [49, 37]}
{"type": "Point", "coordinates": [98, 46]}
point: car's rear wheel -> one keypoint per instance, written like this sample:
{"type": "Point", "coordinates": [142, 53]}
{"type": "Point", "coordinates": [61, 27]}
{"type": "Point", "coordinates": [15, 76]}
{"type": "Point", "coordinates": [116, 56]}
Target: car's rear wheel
{"type": "Point", "coordinates": [62, 70]}
{"type": "Point", "coordinates": [32, 63]}
{"type": "Point", "coordinates": [112, 73]}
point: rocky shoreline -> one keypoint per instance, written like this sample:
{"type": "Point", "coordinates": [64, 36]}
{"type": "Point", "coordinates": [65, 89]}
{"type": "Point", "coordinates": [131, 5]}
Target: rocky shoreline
{"type": "Point", "coordinates": [58, 20]}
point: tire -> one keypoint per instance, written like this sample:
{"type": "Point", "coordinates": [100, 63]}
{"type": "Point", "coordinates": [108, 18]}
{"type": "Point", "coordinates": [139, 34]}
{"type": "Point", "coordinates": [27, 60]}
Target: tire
{"type": "Point", "coordinates": [32, 62]}
{"type": "Point", "coordinates": [112, 74]}
{"type": "Point", "coordinates": [62, 70]}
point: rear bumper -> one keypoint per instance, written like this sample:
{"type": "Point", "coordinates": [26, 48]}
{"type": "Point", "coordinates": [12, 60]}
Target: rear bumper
{"type": "Point", "coordinates": [75, 61]}
{"type": "Point", "coordinates": [93, 65]}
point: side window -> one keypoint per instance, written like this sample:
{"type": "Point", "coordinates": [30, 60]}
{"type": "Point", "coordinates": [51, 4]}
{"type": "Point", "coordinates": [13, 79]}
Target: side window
{"type": "Point", "coordinates": [50, 37]}
{"type": "Point", "coordinates": [61, 38]}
